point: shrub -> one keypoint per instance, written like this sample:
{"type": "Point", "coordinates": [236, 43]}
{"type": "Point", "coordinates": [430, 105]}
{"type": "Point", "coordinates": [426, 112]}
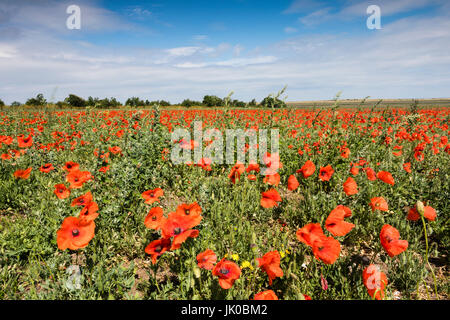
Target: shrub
{"type": "Point", "coordinates": [272, 102]}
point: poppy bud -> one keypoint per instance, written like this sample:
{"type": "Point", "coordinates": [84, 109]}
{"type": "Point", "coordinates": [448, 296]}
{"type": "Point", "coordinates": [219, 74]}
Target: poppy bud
{"type": "Point", "coordinates": [420, 207]}
{"type": "Point", "coordinates": [323, 282]}
{"type": "Point", "coordinates": [197, 273]}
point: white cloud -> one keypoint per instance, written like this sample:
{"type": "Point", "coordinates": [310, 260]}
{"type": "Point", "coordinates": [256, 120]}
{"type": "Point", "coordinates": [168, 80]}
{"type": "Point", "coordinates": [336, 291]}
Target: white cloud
{"type": "Point", "coordinates": [200, 37]}
{"type": "Point", "coordinates": [237, 50]}
{"type": "Point", "coordinates": [302, 6]}
{"type": "Point", "coordinates": [290, 30]}
{"type": "Point", "coordinates": [7, 51]}
{"type": "Point", "coordinates": [406, 59]}
{"type": "Point", "coordinates": [316, 17]}
{"type": "Point", "coordinates": [182, 51]}
{"type": "Point", "coordinates": [236, 62]}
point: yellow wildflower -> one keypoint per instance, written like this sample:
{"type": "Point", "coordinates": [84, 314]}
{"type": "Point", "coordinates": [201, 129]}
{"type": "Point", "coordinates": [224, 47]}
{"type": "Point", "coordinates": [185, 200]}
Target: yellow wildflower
{"type": "Point", "coordinates": [246, 264]}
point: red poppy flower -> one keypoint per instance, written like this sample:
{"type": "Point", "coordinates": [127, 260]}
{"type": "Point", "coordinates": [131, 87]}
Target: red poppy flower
{"type": "Point", "coordinates": [192, 210]}
{"type": "Point", "coordinates": [89, 212]}
{"type": "Point", "coordinates": [407, 167]}
{"type": "Point", "coordinates": [46, 168]}
{"type": "Point", "coordinates": [115, 150]}
{"type": "Point", "coordinates": [104, 169]}
{"type": "Point", "coordinates": [61, 191]}
{"type": "Point", "coordinates": [370, 173]}
{"type": "Point", "coordinates": [419, 156]}
{"type": "Point", "coordinates": [6, 140]}
{"type": "Point", "coordinates": [345, 153]}
{"type": "Point", "coordinates": [386, 177]}
{"type": "Point", "coordinates": [206, 259]}
{"type": "Point", "coordinates": [6, 156]}
{"type": "Point", "coordinates": [272, 162]}
{"type": "Point", "coordinates": [266, 295]}
{"type": "Point", "coordinates": [228, 272]}
{"type": "Point", "coordinates": [292, 183]}
{"type": "Point", "coordinates": [252, 167]}
{"type": "Point", "coordinates": [375, 281]}
{"type": "Point", "coordinates": [270, 263]}
{"type": "Point", "coordinates": [326, 249]}
{"type": "Point", "coordinates": [71, 166]}
{"type": "Point", "coordinates": [74, 234]}
{"type": "Point", "coordinates": [308, 169]}
{"type": "Point", "coordinates": [182, 237]}
{"type": "Point", "coordinates": [179, 227]}
{"type": "Point", "coordinates": [82, 200]}
{"type": "Point", "coordinates": [378, 203]}
{"type": "Point", "coordinates": [310, 233]}
{"type": "Point", "coordinates": [335, 222]}
{"type": "Point", "coordinates": [429, 213]}
{"type": "Point", "coordinates": [15, 153]}
{"type": "Point", "coordinates": [77, 178]}
{"type": "Point", "coordinates": [155, 218]}
{"type": "Point", "coordinates": [151, 196]}
{"type": "Point", "coordinates": [22, 174]}
{"type": "Point", "coordinates": [272, 179]}
{"type": "Point", "coordinates": [354, 170]}
{"type": "Point", "coordinates": [325, 173]}
{"type": "Point", "coordinates": [24, 142]}
{"type": "Point", "coordinates": [236, 172]}
{"type": "Point", "coordinates": [389, 237]}
{"type": "Point", "coordinates": [270, 198]}
{"type": "Point", "coordinates": [157, 248]}
{"type": "Point", "coordinates": [350, 187]}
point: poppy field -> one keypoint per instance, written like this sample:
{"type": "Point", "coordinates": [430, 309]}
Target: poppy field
{"type": "Point", "coordinates": [92, 207]}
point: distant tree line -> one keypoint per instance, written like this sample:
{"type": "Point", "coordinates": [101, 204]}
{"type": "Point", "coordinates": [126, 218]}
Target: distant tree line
{"type": "Point", "coordinates": [208, 101]}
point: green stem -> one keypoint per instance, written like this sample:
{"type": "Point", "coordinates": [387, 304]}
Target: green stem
{"type": "Point", "coordinates": [426, 256]}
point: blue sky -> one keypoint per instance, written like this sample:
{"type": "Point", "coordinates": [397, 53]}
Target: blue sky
{"type": "Point", "coordinates": [185, 49]}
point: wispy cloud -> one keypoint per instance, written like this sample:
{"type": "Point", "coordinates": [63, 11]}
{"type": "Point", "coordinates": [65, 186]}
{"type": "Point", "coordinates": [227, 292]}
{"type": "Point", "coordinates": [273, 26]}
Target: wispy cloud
{"type": "Point", "coordinates": [200, 37]}
{"type": "Point", "coordinates": [290, 30]}
{"type": "Point", "coordinates": [316, 17]}
{"type": "Point", "coordinates": [302, 6]}
{"type": "Point", "coordinates": [138, 12]}
{"type": "Point", "coordinates": [235, 62]}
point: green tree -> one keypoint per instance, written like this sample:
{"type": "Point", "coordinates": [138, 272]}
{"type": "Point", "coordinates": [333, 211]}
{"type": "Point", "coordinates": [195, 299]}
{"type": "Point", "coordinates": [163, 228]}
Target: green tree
{"type": "Point", "coordinates": [238, 103]}
{"type": "Point", "coordinates": [92, 102]}
{"type": "Point", "coordinates": [38, 101]}
{"type": "Point", "coordinates": [190, 103]}
{"type": "Point", "coordinates": [252, 103]}
{"type": "Point", "coordinates": [212, 101]}
{"type": "Point", "coordinates": [108, 103]}
{"type": "Point", "coordinates": [16, 104]}
{"type": "Point", "coordinates": [135, 102]}
{"type": "Point", "coordinates": [75, 101]}
{"type": "Point", "coordinates": [1, 103]}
